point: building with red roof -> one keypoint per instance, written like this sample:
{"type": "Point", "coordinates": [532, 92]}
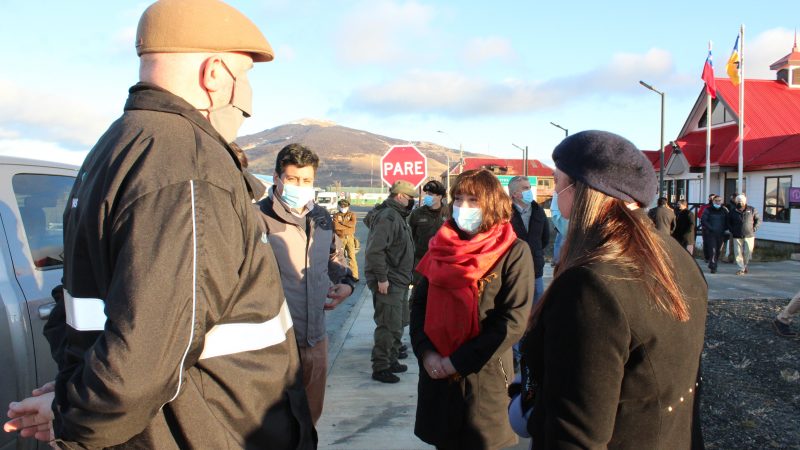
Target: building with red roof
{"type": "Point", "coordinates": [771, 148]}
{"type": "Point", "coordinates": [541, 175]}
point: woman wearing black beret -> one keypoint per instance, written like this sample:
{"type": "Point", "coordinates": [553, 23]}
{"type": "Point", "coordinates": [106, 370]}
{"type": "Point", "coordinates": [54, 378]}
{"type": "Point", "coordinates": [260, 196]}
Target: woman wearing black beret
{"type": "Point", "coordinates": [615, 347]}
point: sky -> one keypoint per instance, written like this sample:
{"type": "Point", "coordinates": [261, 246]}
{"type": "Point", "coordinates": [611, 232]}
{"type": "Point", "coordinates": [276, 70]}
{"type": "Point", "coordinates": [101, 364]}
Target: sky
{"type": "Point", "coordinates": [482, 75]}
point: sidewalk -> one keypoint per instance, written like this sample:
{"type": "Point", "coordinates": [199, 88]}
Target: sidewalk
{"type": "Point", "coordinates": [364, 414]}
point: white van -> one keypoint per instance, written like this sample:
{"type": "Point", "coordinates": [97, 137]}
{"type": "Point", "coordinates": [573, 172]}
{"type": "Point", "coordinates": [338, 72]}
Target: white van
{"type": "Point", "coordinates": [328, 200]}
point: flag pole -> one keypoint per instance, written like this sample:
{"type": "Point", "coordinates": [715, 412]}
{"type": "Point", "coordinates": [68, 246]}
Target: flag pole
{"type": "Point", "coordinates": [740, 183]}
{"type": "Point", "coordinates": [708, 138]}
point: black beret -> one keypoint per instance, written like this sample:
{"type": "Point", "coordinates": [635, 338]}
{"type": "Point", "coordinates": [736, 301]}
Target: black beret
{"type": "Point", "coordinates": [608, 163]}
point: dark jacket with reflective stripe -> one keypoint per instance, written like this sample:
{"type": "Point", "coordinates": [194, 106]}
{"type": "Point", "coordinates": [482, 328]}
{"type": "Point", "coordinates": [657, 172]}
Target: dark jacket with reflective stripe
{"type": "Point", "coordinates": [160, 225]}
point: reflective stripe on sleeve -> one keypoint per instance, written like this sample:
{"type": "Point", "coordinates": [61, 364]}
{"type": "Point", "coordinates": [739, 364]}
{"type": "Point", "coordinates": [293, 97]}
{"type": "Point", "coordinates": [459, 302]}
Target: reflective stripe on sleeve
{"type": "Point", "coordinates": [85, 314]}
{"type": "Point", "coordinates": [229, 338]}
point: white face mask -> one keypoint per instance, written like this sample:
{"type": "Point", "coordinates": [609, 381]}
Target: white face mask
{"type": "Point", "coordinates": [297, 196]}
{"type": "Point", "coordinates": [343, 210]}
{"type": "Point", "coordinates": [468, 219]}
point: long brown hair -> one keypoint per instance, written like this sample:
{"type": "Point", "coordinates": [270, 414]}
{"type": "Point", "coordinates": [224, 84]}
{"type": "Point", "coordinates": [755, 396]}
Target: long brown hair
{"type": "Point", "coordinates": [495, 204]}
{"type": "Point", "coordinates": [603, 229]}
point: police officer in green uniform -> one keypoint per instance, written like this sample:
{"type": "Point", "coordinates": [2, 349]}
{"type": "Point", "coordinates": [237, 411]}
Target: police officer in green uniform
{"type": "Point", "coordinates": [426, 220]}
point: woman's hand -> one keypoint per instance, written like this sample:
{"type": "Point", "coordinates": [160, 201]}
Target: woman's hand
{"type": "Point", "coordinates": [432, 362]}
{"type": "Point", "coordinates": [448, 367]}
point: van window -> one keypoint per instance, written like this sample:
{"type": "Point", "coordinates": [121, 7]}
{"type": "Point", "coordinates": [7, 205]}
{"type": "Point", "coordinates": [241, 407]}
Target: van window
{"type": "Point", "coordinates": [41, 200]}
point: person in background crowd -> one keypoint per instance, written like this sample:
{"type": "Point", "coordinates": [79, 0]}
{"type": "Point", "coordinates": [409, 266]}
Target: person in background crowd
{"type": "Point", "coordinates": [344, 224]}
{"type": "Point", "coordinates": [700, 212]}
{"type": "Point", "coordinates": [561, 225]}
{"type": "Point", "coordinates": [783, 321]}
{"type": "Point", "coordinates": [663, 216]}
{"type": "Point", "coordinates": [160, 232]}
{"type": "Point", "coordinates": [615, 348]}
{"type": "Point", "coordinates": [743, 222]}
{"type": "Point", "coordinates": [314, 275]}
{"type": "Point", "coordinates": [471, 305]}
{"type": "Point", "coordinates": [531, 225]}
{"type": "Point", "coordinates": [389, 263]}
{"type": "Point", "coordinates": [729, 255]}
{"type": "Point", "coordinates": [426, 220]}
{"type": "Point", "coordinates": [715, 224]}
{"type": "Point", "coordinates": [684, 227]}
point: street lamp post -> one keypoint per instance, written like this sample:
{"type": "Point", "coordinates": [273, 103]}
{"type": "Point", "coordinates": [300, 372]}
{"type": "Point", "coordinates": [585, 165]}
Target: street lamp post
{"type": "Point", "coordinates": [661, 148]}
{"type": "Point", "coordinates": [460, 161]}
{"type": "Point", "coordinates": [566, 131]}
{"type": "Point", "coordinates": [524, 158]}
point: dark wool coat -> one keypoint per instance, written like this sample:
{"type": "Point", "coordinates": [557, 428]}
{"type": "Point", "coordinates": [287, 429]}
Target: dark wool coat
{"type": "Point", "coordinates": [684, 227]}
{"type": "Point", "coordinates": [472, 413]}
{"type": "Point", "coordinates": [613, 370]}
{"type": "Point", "coordinates": [537, 235]}
{"type": "Point", "coordinates": [664, 218]}
{"type": "Point", "coordinates": [161, 227]}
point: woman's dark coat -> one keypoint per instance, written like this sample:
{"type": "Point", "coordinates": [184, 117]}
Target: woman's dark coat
{"type": "Point", "coordinates": [472, 413]}
{"type": "Point", "coordinates": [612, 369]}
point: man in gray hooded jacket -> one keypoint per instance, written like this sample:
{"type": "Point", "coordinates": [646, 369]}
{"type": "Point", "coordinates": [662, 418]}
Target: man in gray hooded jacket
{"type": "Point", "coordinates": [310, 259]}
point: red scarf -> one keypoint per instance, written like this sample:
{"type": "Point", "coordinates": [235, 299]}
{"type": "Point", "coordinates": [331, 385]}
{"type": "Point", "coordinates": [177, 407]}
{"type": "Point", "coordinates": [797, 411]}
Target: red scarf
{"type": "Point", "coordinates": [454, 267]}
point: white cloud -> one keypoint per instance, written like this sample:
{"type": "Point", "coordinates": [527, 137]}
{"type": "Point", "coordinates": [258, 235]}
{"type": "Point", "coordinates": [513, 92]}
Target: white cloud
{"type": "Point", "coordinates": [8, 134]}
{"type": "Point", "coordinates": [765, 49]}
{"type": "Point", "coordinates": [455, 94]}
{"type": "Point", "coordinates": [42, 150]}
{"type": "Point", "coordinates": [384, 31]}
{"type": "Point", "coordinates": [52, 115]}
{"type": "Point", "coordinates": [482, 49]}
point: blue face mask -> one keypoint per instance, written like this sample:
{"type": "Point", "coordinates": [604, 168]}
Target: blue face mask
{"type": "Point", "coordinates": [296, 196]}
{"type": "Point", "coordinates": [468, 219]}
{"type": "Point", "coordinates": [427, 201]}
{"type": "Point", "coordinates": [527, 197]}
{"type": "Point", "coordinates": [716, 206]}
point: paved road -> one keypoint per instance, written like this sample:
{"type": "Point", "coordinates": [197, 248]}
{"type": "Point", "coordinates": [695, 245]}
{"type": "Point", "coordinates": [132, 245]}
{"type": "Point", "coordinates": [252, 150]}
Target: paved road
{"type": "Point", "coordinates": [341, 318]}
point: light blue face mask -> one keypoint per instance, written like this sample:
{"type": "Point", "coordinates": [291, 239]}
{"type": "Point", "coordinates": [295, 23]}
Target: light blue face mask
{"type": "Point", "coordinates": [427, 201]}
{"type": "Point", "coordinates": [468, 219]}
{"type": "Point", "coordinates": [296, 196]}
{"type": "Point", "coordinates": [527, 197]}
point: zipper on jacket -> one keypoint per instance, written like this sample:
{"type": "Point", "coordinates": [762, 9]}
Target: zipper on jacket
{"type": "Point", "coordinates": [503, 369]}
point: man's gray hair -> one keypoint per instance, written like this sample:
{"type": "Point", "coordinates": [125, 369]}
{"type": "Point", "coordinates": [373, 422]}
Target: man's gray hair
{"type": "Point", "coordinates": [512, 184]}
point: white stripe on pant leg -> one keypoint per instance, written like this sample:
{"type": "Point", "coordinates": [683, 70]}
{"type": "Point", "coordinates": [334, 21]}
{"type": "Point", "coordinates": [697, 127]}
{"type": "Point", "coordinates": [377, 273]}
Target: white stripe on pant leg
{"type": "Point", "coordinates": [230, 338]}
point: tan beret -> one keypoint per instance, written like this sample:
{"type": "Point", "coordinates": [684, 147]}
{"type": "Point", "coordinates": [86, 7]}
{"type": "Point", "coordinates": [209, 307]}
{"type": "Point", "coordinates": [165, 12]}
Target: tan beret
{"type": "Point", "coordinates": [197, 26]}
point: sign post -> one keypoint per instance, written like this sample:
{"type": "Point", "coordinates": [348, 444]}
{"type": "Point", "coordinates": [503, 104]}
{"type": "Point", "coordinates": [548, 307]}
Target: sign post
{"type": "Point", "coordinates": [404, 162]}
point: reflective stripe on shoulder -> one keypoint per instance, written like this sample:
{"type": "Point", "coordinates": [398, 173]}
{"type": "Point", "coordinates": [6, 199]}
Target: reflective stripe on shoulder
{"type": "Point", "coordinates": [230, 338]}
{"type": "Point", "coordinates": [85, 314]}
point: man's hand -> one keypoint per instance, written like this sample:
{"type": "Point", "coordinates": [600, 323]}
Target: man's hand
{"type": "Point", "coordinates": [337, 294]}
{"type": "Point", "coordinates": [50, 386]}
{"type": "Point", "coordinates": [448, 367]}
{"type": "Point", "coordinates": [383, 287]}
{"type": "Point", "coordinates": [32, 417]}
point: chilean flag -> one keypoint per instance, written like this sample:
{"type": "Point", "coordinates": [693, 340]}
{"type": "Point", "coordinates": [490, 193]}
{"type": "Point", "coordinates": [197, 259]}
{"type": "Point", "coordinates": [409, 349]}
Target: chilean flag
{"type": "Point", "coordinates": [708, 77]}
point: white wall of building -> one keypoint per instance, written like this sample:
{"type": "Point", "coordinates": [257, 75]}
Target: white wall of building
{"type": "Point", "coordinates": [773, 231]}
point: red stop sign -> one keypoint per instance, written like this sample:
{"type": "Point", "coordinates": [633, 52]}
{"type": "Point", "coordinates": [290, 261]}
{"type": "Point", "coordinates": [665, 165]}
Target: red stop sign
{"type": "Point", "coordinates": [404, 162]}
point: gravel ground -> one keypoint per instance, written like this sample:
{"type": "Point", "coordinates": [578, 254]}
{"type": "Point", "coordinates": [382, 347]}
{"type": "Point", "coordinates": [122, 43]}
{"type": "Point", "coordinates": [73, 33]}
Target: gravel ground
{"type": "Point", "coordinates": [751, 396]}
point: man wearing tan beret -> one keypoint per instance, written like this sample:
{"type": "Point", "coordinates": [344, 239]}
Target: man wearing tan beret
{"type": "Point", "coordinates": [173, 331]}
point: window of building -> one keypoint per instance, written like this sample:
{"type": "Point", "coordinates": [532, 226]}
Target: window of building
{"type": "Point", "coordinates": [544, 183]}
{"type": "Point", "coordinates": [783, 75]}
{"type": "Point", "coordinates": [776, 199]}
{"type": "Point", "coordinates": [796, 77]}
{"type": "Point", "coordinates": [719, 115]}
{"type": "Point", "coordinates": [41, 200]}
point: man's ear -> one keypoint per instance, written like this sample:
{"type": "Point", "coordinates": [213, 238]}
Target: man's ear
{"type": "Point", "coordinates": [213, 74]}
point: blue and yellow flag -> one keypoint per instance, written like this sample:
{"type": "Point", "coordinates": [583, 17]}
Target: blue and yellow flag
{"type": "Point", "coordinates": [733, 64]}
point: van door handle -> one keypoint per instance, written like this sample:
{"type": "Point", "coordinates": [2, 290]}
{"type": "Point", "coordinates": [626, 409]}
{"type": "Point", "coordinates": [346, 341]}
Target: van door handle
{"type": "Point", "coordinates": [45, 310]}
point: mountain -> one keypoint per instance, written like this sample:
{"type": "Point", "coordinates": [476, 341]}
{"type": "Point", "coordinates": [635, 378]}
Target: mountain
{"type": "Point", "coordinates": [347, 156]}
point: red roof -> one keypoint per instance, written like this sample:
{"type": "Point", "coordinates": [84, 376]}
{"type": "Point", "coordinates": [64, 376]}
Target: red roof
{"type": "Point", "coordinates": [771, 131]}
{"type": "Point", "coordinates": [511, 166]}
{"type": "Point", "coordinates": [652, 155]}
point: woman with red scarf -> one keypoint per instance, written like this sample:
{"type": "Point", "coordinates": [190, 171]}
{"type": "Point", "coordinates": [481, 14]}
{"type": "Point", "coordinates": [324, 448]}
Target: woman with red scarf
{"type": "Point", "coordinates": [466, 313]}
